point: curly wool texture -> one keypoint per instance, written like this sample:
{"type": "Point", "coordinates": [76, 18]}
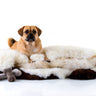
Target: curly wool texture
{"type": "Point", "coordinates": [8, 58]}
{"type": "Point", "coordinates": [68, 57]}
{"type": "Point", "coordinates": [64, 60]}
{"type": "Point", "coordinates": [37, 57]}
{"type": "Point", "coordinates": [60, 73]}
{"type": "Point", "coordinates": [54, 52]}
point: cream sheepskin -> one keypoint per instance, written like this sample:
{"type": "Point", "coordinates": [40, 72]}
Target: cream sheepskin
{"type": "Point", "coordinates": [67, 57]}
{"type": "Point", "coordinates": [8, 58]}
{"type": "Point", "coordinates": [64, 60]}
{"type": "Point", "coordinates": [61, 73]}
{"type": "Point", "coordinates": [54, 52]}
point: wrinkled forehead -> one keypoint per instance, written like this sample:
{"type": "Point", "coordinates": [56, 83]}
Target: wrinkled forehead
{"type": "Point", "coordinates": [30, 28]}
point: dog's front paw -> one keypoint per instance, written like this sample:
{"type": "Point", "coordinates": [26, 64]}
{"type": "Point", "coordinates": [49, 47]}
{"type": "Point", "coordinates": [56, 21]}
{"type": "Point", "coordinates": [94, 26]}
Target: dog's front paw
{"type": "Point", "coordinates": [11, 78]}
{"type": "Point", "coordinates": [48, 61]}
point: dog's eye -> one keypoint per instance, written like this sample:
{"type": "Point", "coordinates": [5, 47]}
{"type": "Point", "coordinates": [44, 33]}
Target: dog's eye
{"type": "Point", "coordinates": [26, 31]}
{"type": "Point", "coordinates": [34, 31]}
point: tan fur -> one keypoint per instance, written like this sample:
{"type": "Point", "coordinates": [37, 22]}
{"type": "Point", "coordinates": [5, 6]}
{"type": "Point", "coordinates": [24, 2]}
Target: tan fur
{"type": "Point", "coordinates": [11, 41]}
{"type": "Point", "coordinates": [27, 48]}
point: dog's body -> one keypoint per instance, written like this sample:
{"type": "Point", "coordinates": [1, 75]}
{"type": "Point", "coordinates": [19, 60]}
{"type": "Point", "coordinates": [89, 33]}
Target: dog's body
{"type": "Point", "coordinates": [26, 48]}
{"type": "Point", "coordinates": [29, 43]}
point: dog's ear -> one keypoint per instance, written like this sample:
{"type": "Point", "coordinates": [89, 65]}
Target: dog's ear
{"type": "Point", "coordinates": [20, 31]}
{"type": "Point", "coordinates": [39, 31]}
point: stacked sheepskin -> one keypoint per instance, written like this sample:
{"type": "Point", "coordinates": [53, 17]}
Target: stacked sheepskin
{"type": "Point", "coordinates": [64, 60]}
{"type": "Point", "coordinates": [8, 58]}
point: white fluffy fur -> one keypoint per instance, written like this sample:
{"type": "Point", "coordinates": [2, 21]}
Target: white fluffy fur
{"type": "Point", "coordinates": [69, 57]}
{"type": "Point", "coordinates": [64, 59]}
{"type": "Point", "coordinates": [8, 58]}
{"type": "Point", "coordinates": [73, 63]}
{"type": "Point", "coordinates": [61, 73]}
{"type": "Point", "coordinates": [37, 57]}
{"type": "Point", "coordinates": [54, 52]}
{"type": "Point", "coordinates": [35, 65]}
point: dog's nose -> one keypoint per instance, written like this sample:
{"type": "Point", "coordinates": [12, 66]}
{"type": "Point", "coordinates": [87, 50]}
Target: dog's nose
{"type": "Point", "coordinates": [31, 36]}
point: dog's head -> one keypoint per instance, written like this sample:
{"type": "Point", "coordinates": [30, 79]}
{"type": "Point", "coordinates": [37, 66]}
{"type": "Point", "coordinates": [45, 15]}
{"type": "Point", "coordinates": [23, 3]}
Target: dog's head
{"type": "Point", "coordinates": [30, 33]}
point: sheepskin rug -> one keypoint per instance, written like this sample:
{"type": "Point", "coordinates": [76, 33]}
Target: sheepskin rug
{"type": "Point", "coordinates": [64, 60]}
{"type": "Point", "coordinates": [8, 58]}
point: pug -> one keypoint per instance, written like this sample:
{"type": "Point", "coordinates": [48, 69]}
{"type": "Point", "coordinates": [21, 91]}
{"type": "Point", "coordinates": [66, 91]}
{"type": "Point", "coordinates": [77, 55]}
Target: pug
{"type": "Point", "coordinates": [29, 43]}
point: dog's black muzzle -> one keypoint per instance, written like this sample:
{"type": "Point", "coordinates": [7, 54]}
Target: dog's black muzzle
{"type": "Point", "coordinates": [30, 38]}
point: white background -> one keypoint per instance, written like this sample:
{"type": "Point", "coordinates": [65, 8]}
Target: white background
{"type": "Point", "coordinates": [63, 22]}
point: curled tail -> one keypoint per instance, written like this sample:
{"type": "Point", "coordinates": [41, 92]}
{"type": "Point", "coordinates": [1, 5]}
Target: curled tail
{"type": "Point", "coordinates": [11, 41]}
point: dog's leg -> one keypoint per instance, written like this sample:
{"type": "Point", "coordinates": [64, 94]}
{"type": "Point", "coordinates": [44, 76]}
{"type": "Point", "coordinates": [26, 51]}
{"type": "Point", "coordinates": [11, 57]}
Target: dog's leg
{"type": "Point", "coordinates": [10, 76]}
{"type": "Point", "coordinates": [30, 60]}
{"type": "Point", "coordinates": [46, 58]}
